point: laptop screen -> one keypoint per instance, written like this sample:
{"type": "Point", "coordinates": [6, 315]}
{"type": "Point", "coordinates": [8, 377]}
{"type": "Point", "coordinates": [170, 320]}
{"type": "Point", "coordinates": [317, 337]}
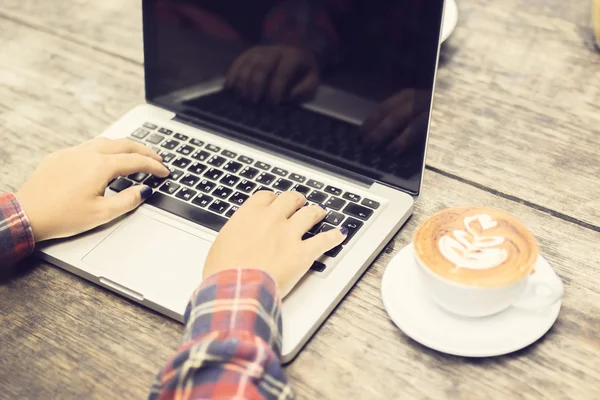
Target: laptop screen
{"type": "Point", "coordinates": [343, 84]}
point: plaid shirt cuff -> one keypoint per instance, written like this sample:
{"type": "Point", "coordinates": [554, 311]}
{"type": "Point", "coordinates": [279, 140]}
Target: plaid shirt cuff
{"type": "Point", "coordinates": [236, 300]}
{"type": "Point", "coordinates": [16, 236]}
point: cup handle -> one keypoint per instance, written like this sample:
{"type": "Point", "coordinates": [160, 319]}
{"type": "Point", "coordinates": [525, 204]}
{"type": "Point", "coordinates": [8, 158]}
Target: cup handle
{"type": "Point", "coordinates": [551, 284]}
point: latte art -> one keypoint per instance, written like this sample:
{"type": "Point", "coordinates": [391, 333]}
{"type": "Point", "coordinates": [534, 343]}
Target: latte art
{"type": "Point", "coordinates": [467, 249]}
{"type": "Point", "coordinates": [476, 246]}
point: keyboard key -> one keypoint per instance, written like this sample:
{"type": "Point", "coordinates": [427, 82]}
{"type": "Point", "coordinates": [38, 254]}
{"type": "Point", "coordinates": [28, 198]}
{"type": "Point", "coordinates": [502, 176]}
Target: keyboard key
{"type": "Point", "coordinates": [334, 218]}
{"type": "Point", "coordinates": [229, 180]}
{"type": "Point", "coordinates": [216, 161]}
{"type": "Point", "coordinates": [265, 178]}
{"type": "Point", "coordinates": [165, 131]}
{"type": "Point", "coordinates": [213, 174]}
{"type": "Point", "coordinates": [352, 225]}
{"type": "Point", "coordinates": [238, 198]}
{"type": "Point", "coordinates": [352, 197]}
{"type": "Point", "coordinates": [197, 168]}
{"type": "Point", "coordinates": [138, 176]}
{"type": "Point", "coordinates": [120, 185]}
{"type": "Point", "coordinates": [201, 155]}
{"type": "Point", "coordinates": [150, 126]}
{"type": "Point", "coordinates": [249, 172]}
{"type": "Point", "coordinates": [202, 200]}
{"type": "Point", "coordinates": [335, 203]}
{"type": "Point", "coordinates": [169, 187]}
{"type": "Point", "coordinates": [297, 178]}
{"type": "Point", "coordinates": [187, 211]}
{"type": "Point", "coordinates": [325, 228]}
{"type": "Point", "coordinates": [181, 137]}
{"type": "Point", "coordinates": [245, 160]}
{"type": "Point", "coordinates": [167, 157]}
{"type": "Point", "coordinates": [206, 186]}
{"type": "Point", "coordinates": [154, 149]}
{"type": "Point", "coordinates": [154, 182]}
{"type": "Point", "coordinates": [307, 236]}
{"type": "Point", "coordinates": [212, 147]}
{"type": "Point", "coordinates": [317, 197]}
{"type": "Point", "coordinates": [219, 206]}
{"type": "Point", "coordinates": [333, 190]}
{"type": "Point", "coordinates": [246, 186]}
{"type": "Point", "coordinates": [186, 194]}
{"type": "Point", "coordinates": [263, 188]}
{"type": "Point", "coordinates": [358, 211]}
{"type": "Point", "coordinates": [334, 252]}
{"type": "Point", "coordinates": [301, 189]}
{"type": "Point", "coordinates": [318, 266]}
{"type": "Point", "coordinates": [222, 192]}
{"type": "Point", "coordinates": [279, 171]}
{"type": "Point", "coordinates": [282, 184]}
{"type": "Point", "coordinates": [155, 138]}
{"type": "Point", "coordinates": [315, 184]}
{"type": "Point", "coordinates": [170, 144]}
{"type": "Point", "coordinates": [175, 173]}
{"type": "Point", "coordinates": [189, 180]}
{"type": "Point", "coordinates": [370, 203]}
{"type": "Point", "coordinates": [228, 153]}
{"type": "Point", "coordinates": [196, 142]}
{"type": "Point", "coordinates": [186, 150]}
{"type": "Point", "coordinates": [140, 133]}
{"type": "Point", "coordinates": [262, 165]}
{"type": "Point", "coordinates": [231, 211]}
{"type": "Point", "coordinates": [232, 167]}
{"type": "Point", "coordinates": [181, 162]}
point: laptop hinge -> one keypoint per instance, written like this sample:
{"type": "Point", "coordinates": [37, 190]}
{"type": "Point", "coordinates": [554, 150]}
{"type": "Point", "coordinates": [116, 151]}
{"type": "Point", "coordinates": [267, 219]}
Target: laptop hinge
{"type": "Point", "coordinates": [310, 162]}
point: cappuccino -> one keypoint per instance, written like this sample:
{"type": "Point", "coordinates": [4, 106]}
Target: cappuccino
{"type": "Point", "coordinates": [476, 246]}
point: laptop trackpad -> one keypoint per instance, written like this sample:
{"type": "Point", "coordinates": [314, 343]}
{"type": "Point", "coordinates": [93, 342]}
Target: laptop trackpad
{"type": "Point", "coordinates": [153, 259]}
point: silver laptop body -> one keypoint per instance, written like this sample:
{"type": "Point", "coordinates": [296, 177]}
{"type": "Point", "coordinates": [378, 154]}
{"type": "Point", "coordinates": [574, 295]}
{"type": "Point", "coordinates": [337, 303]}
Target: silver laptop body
{"type": "Point", "coordinates": [155, 255]}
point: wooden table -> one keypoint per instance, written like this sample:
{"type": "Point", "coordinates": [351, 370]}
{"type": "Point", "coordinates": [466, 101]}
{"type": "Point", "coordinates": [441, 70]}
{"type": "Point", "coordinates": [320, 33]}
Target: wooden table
{"type": "Point", "coordinates": [516, 126]}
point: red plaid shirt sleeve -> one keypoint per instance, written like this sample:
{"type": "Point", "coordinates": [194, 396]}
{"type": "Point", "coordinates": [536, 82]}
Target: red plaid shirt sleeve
{"type": "Point", "coordinates": [232, 342]}
{"type": "Point", "coordinates": [16, 236]}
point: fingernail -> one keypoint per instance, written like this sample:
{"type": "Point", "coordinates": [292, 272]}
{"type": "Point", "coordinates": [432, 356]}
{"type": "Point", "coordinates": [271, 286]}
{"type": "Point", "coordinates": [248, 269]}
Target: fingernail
{"type": "Point", "coordinates": [146, 192]}
{"type": "Point", "coordinates": [323, 207]}
{"type": "Point", "coordinates": [344, 230]}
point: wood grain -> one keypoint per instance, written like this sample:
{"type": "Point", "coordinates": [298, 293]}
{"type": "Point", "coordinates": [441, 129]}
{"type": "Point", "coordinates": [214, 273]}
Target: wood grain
{"type": "Point", "coordinates": [519, 69]}
{"type": "Point", "coordinates": [62, 337]}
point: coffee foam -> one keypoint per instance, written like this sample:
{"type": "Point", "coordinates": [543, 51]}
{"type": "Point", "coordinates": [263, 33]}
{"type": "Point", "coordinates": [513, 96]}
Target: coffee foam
{"type": "Point", "coordinates": [476, 246]}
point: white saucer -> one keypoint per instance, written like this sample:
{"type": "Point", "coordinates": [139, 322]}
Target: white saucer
{"type": "Point", "coordinates": [419, 317]}
{"type": "Point", "coordinates": [449, 19]}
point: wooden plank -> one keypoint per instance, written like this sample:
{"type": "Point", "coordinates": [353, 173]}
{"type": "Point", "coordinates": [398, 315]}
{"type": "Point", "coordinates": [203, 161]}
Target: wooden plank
{"type": "Point", "coordinates": [516, 107]}
{"type": "Point", "coordinates": [64, 337]}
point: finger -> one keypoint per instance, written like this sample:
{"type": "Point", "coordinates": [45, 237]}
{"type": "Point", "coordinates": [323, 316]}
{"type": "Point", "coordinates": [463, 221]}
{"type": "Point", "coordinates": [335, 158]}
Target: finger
{"type": "Point", "coordinates": [125, 146]}
{"type": "Point", "coordinates": [124, 202]}
{"type": "Point", "coordinates": [234, 69]}
{"type": "Point", "coordinates": [305, 89]}
{"type": "Point", "coordinates": [325, 241]}
{"type": "Point", "coordinates": [287, 203]}
{"type": "Point", "coordinates": [127, 164]}
{"type": "Point", "coordinates": [410, 134]}
{"type": "Point", "coordinates": [283, 73]}
{"type": "Point", "coordinates": [261, 75]}
{"type": "Point", "coordinates": [372, 121]}
{"type": "Point", "coordinates": [262, 198]}
{"type": "Point", "coordinates": [306, 218]}
{"type": "Point", "coordinates": [393, 123]}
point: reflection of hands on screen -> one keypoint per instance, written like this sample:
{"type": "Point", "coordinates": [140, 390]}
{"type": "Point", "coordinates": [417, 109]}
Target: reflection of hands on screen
{"type": "Point", "coordinates": [397, 123]}
{"type": "Point", "coordinates": [274, 73]}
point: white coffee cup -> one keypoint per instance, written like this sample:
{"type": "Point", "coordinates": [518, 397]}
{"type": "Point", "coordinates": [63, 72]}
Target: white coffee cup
{"type": "Point", "coordinates": [532, 292]}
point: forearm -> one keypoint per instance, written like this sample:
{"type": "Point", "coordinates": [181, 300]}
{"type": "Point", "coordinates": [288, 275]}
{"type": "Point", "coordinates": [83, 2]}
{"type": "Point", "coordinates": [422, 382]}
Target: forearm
{"type": "Point", "coordinates": [232, 342]}
{"type": "Point", "coordinates": [16, 236]}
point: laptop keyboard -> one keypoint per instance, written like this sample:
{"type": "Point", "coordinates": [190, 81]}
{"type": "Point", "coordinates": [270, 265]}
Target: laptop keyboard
{"type": "Point", "coordinates": [208, 184]}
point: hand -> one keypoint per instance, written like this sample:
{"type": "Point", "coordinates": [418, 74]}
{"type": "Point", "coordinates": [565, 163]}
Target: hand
{"type": "Point", "coordinates": [398, 121]}
{"type": "Point", "coordinates": [65, 195]}
{"type": "Point", "coordinates": [266, 234]}
{"type": "Point", "coordinates": [275, 73]}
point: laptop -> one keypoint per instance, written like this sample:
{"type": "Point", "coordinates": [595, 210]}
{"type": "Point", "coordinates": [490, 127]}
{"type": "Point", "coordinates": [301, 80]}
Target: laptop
{"type": "Point", "coordinates": [330, 99]}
